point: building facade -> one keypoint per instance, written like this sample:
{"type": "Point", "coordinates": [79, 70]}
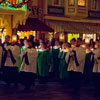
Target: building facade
{"type": "Point", "coordinates": [68, 18]}
{"type": "Point", "coordinates": [73, 18]}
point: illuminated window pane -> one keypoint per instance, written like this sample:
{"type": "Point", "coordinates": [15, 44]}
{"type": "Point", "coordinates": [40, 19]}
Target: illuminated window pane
{"type": "Point", "coordinates": [89, 36]}
{"type": "Point", "coordinates": [71, 36]}
{"type": "Point", "coordinates": [71, 2]}
{"type": "Point", "coordinates": [82, 2]}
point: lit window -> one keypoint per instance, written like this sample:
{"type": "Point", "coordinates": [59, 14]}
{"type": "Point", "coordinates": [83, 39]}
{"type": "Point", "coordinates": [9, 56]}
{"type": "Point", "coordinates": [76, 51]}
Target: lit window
{"type": "Point", "coordinates": [87, 37]}
{"type": "Point", "coordinates": [81, 2]}
{"type": "Point", "coordinates": [56, 2]}
{"type": "Point", "coordinates": [94, 4]}
{"type": "Point", "coordinates": [71, 2]}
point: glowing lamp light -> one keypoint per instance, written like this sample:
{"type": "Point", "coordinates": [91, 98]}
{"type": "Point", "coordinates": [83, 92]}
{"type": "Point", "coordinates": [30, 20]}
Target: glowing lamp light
{"type": "Point", "coordinates": [18, 34]}
{"type": "Point", "coordinates": [14, 38]}
{"type": "Point", "coordinates": [50, 47]}
{"type": "Point", "coordinates": [36, 47]}
{"type": "Point", "coordinates": [60, 49]}
{"type": "Point", "coordinates": [87, 40]}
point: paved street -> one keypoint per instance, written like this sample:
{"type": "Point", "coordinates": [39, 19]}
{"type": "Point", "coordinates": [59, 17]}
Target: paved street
{"type": "Point", "coordinates": [50, 91]}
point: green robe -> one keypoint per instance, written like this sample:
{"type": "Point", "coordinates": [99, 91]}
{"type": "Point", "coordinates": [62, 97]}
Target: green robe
{"type": "Point", "coordinates": [43, 62]}
{"type": "Point", "coordinates": [55, 60]}
{"type": "Point", "coordinates": [88, 67]}
{"type": "Point", "coordinates": [63, 66]}
{"type": "Point", "coordinates": [20, 60]}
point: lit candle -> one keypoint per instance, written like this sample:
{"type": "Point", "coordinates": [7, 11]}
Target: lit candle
{"type": "Point", "coordinates": [60, 49]}
{"type": "Point", "coordinates": [50, 47]}
{"type": "Point", "coordinates": [36, 48]}
{"type": "Point", "coordinates": [92, 49]}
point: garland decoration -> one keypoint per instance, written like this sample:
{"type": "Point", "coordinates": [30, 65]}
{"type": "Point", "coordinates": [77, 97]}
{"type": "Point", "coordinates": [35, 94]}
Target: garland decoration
{"type": "Point", "coordinates": [2, 1]}
{"type": "Point", "coordinates": [13, 3]}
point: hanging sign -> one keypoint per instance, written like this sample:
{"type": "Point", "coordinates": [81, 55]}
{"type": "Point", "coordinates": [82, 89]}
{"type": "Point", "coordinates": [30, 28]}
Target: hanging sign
{"type": "Point", "coordinates": [56, 10]}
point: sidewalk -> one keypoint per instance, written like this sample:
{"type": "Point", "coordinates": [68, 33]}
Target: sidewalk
{"type": "Point", "coordinates": [50, 91]}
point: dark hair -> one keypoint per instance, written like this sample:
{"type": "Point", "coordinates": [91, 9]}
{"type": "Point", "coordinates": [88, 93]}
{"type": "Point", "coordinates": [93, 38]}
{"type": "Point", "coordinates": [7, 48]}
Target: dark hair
{"type": "Point", "coordinates": [7, 36]}
{"type": "Point", "coordinates": [79, 39]}
{"type": "Point", "coordinates": [25, 37]}
{"type": "Point", "coordinates": [21, 41]}
{"type": "Point", "coordinates": [57, 41]}
{"type": "Point", "coordinates": [91, 40]}
{"type": "Point", "coordinates": [73, 39]}
{"type": "Point", "coordinates": [45, 44]}
{"type": "Point", "coordinates": [31, 37]}
{"type": "Point", "coordinates": [31, 42]}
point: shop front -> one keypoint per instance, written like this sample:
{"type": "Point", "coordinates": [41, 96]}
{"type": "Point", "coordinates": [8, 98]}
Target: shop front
{"type": "Point", "coordinates": [10, 17]}
{"type": "Point", "coordinates": [70, 29]}
{"type": "Point", "coordinates": [34, 24]}
{"type": "Point", "coordinates": [35, 27]}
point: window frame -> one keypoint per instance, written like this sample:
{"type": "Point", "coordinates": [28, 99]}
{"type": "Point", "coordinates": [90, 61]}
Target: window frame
{"type": "Point", "coordinates": [56, 4]}
{"type": "Point", "coordinates": [94, 7]}
{"type": "Point", "coordinates": [71, 4]}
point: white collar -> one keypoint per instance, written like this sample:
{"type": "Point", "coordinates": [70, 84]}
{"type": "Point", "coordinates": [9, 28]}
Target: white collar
{"type": "Point", "coordinates": [42, 50]}
{"type": "Point", "coordinates": [56, 47]}
{"type": "Point", "coordinates": [64, 50]}
{"type": "Point", "coordinates": [25, 46]}
{"type": "Point", "coordinates": [83, 46]}
{"type": "Point", "coordinates": [88, 51]}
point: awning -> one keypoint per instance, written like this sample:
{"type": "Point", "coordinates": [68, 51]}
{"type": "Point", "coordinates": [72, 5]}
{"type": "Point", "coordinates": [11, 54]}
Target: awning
{"type": "Point", "coordinates": [75, 27]}
{"type": "Point", "coordinates": [79, 27]}
{"type": "Point", "coordinates": [34, 24]}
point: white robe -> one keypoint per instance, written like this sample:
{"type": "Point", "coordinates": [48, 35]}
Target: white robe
{"type": "Point", "coordinates": [80, 53]}
{"type": "Point", "coordinates": [32, 58]}
{"type": "Point", "coordinates": [1, 51]}
{"type": "Point", "coordinates": [16, 53]}
{"type": "Point", "coordinates": [96, 67]}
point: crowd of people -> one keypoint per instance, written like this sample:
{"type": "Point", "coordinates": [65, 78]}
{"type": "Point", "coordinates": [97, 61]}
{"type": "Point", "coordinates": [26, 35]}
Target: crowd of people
{"type": "Point", "coordinates": [26, 60]}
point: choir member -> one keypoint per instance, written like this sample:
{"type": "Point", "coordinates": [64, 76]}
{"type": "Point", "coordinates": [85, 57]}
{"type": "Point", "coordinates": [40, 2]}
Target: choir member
{"type": "Point", "coordinates": [96, 70]}
{"type": "Point", "coordinates": [6, 43]}
{"type": "Point", "coordinates": [23, 46]}
{"type": "Point", "coordinates": [96, 43]}
{"type": "Point", "coordinates": [1, 51]}
{"type": "Point", "coordinates": [26, 44]}
{"type": "Point", "coordinates": [11, 56]}
{"type": "Point", "coordinates": [4, 47]}
{"type": "Point", "coordinates": [83, 44]}
{"type": "Point", "coordinates": [28, 67]}
{"type": "Point", "coordinates": [73, 43]}
{"type": "Point", "coordinates": [89, 62]}
{"type": "Point", "coordinates": [75, 60]}
{"type": "Point", "coordinates": [55, 59]}
{"type": "Point", "coordinates": [63, 65]}
{"type": "Point", "coordinates": [43, 63]}
{"type": "Point", "coordinates": [1, 54]}
{"type": "Point", "coordinates": [31, 38]}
